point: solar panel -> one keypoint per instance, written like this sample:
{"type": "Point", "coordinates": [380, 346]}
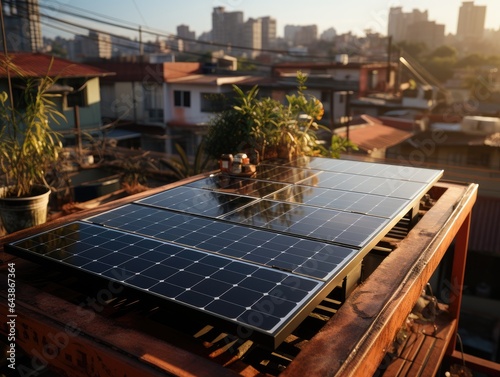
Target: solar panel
{"type": "Point", "coordinates": [321, 224]}
{"type": "Point", "coordinates": [298, 255]}
{"type": "Point", "coordinates": [262, 299]}
{"type": "Point", "coordinates": [399, 172]}
{"type": "Point", "coordinates": [236, 185]}
{"type": "Point", "coordinates": [341, 200]}
{"type": "Point", "coordinates": [197, 201]}
{"type": "Point", "coordinates": [254, 254]}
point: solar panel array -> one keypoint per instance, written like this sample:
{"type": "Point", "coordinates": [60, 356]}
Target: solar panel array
{"type": "Point", "coordinates": [253, 254]}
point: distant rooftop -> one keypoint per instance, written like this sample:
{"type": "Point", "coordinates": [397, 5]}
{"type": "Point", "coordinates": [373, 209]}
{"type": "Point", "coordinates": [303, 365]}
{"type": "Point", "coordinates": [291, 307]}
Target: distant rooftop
{"type": "Point", "coordinates": [39, 65]}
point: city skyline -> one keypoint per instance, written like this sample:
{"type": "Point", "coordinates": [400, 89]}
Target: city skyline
{"type": "Point", "coordinates": [341, 16]}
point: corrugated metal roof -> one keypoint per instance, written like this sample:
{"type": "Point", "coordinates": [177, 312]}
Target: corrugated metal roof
{"type": "Point", "coordinates": [485, 226]}
{"type": "Point", "coordinates": [374, 135]}
{"type": "Point", "coordinates": [40, 65]}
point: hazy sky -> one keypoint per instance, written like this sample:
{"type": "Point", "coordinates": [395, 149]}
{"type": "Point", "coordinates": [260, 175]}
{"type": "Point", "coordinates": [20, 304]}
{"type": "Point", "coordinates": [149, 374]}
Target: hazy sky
{"type": "Point", "coordinates": [343, 15]}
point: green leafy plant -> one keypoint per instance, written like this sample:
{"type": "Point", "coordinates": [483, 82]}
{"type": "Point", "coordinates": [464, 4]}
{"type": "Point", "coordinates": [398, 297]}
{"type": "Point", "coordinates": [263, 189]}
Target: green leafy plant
{"type": "Point", "coordinates": [285, 130]}
{"type": "Point", "coordinates": [337, 146]}
{"type": "Point", "coordinates": [28, 145]}
{"type": "Point", "coordinates": [182, 167]}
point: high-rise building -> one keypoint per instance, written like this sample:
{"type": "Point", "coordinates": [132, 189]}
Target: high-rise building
{"type": "Point", "coordinates": [94, 46]}
{"type": "Point", "coordinates": [23, 30]}
{"type": "Point", "coordinates": [328, 35]}
{"type": "Point", "coordinates": [471, 19]}
{"type": "Point", "coordinates": [428, 32]}
{"type": "Point", "coordinates": [184, 33]}
{"type": "Point", "coordinates": [290, 32]}
{"type": "Point", "coordinates": [268, 32]}
{"type": "Point", "coordinates": [306, 35]}
{"type": "Point", "coordinates": [186, 38]}
{"type": "Point", "coordinates": [227, 26]}
{"type": "Point", "coordinates": [397, 27]}
{"type": "Point", "coordinates": [301, 35]}
{"type": "Point", "coordinates": [252, 36]}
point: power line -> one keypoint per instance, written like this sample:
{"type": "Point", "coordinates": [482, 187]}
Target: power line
{"type": "Point", "coordinates": [159, 33]}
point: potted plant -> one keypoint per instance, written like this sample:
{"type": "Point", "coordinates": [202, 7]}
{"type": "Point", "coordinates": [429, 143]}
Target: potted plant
{"type": "Point", "coordinates": [28, 149]}
{"type": "Point", "coordinates": [274, 129]}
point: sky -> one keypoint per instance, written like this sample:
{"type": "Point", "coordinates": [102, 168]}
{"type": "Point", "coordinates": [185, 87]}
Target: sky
{"type": "Point", "coordinates": [345, 15]}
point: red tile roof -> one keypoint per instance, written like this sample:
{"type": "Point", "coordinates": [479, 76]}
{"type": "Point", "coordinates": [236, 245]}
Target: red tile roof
{"type": "Point", "coordinates": [37, 65]}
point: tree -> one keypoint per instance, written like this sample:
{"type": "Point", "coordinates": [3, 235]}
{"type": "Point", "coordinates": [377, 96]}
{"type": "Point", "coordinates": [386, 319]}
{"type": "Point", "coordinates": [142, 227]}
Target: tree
{"type": "Point", "coordinates": [444, 52]}
{"type": "Point", "coordinates": [416, 50]}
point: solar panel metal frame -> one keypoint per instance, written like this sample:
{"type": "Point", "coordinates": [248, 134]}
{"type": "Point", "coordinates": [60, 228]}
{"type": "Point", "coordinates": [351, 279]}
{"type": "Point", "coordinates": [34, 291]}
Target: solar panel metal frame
{"type": "Point", "coordinates": [268, 338]}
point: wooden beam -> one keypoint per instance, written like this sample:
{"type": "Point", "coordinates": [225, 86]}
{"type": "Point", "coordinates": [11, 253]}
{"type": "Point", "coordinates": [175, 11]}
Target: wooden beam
{"type": "Point", "coordinates": [78, 341]}
{"type": "Point", "coordinates": [458, 276]}
{"type": "Point", "coordinates": [357, 337]}
{"type": "Point", "coordinates": [476, 364]}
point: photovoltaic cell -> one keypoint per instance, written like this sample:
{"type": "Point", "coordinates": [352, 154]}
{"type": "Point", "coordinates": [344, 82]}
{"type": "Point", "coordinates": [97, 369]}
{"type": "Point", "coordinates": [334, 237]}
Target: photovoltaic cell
{"type": "Point", "coordinates": [307, 257]}
{"type": "Point", "coordinates": [261, 298]}
{"type": "Point", "coordinates": [341, 200]}
{"type": "Point", "coordinates": [393, 188]}
{"type": "Point", "coordinates": [236, 185]}
{"type": "Point", "coordinates": [398, 172]}
{"type": "Point", "coordinates": [197, 201]}
{"type": "Point", "coordinates": [307, 221]}
{"type": "Point", "coordinates": [286, 174]}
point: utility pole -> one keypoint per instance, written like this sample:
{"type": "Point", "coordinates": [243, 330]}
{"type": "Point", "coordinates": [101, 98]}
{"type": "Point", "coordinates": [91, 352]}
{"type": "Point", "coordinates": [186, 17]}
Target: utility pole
{"type": "Point", "coordinates": [7, 61]}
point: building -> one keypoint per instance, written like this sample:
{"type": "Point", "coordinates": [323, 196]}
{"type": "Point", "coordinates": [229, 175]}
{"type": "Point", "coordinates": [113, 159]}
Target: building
{"type": "Point", "coordinates": [301, 35]}
{"type": "Point", "coordinates": [269, 32]}
{"type": "Point", "coordinates": [227, 27]}
{"type": "Point", "coordinates": [22, 26]}
{"type": "Point", "coordinates": [338, 84]}
{"type": "Point", "coordinates": [186, 37]}
{"type": "Point", "coordinates": [167, 103]}
{"type": "Point", "coordinates": [428, 32]}
{"type": "Point", "coordinates": [399, 22]}
{"type": "Point", "coordinates": [94, 46]}
{"type": "Point", "coordinates": [77, 90]}
{"type": "Point", "coordinates": [184, 32]}
{"type": "Point", "coordinates": [471, 19]}
{"type": "Point", "coordinates": [328, 35]}
{"type": "Point", "coordinates": [252, 37]}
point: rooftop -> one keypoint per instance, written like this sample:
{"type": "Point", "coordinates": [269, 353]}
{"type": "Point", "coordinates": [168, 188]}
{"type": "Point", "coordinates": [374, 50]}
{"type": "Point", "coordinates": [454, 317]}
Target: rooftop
{"type": "Point", "coordinates": [40, 65]}
{"type": "Point", "coordinates": [129, 332]}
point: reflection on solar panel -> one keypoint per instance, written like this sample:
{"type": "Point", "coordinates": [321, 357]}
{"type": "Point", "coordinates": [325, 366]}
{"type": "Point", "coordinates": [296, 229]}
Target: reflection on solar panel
{"type": "Point", "coordinates": [253, 254]}
{"type": "Point", "coordinates": [262, 298]}
{"type": "Point", "coordinates": [302, 256]}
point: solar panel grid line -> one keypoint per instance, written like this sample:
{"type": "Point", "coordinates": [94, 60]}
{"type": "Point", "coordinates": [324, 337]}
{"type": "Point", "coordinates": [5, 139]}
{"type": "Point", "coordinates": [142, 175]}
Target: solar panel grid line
{"type": "Point", "coordinates": [399, 172]}
{"type": "Point", "coordinates": [232, 240]}
{"type": "Point", "coordinates": [225, 183]}
{"type": "Point", "coordinates": [207, 203]}
{"type": "Point", "coordinates": [340, 200]}
{"type": "Point", "coordinates": [215, 284]}
{"type": "Point", "coordinates": [306, 221]}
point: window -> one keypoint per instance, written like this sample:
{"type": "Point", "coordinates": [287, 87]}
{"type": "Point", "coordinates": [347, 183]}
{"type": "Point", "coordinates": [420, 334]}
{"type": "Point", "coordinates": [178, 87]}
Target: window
{"type": "Point", "coordinates": [214, 102]}
{"type": "Point", "coordinates": [182, 98]}
{"type": "Point", "coordinates": [478, 157]}
{"type": "Point", "coordinates": [76, 99]}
